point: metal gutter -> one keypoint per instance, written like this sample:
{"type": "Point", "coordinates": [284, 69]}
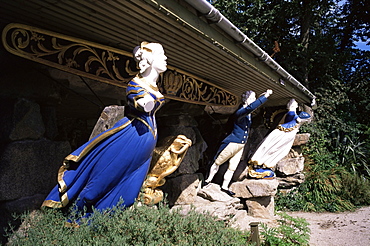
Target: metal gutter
{"type": "Point", "coordinates": [214, 16]}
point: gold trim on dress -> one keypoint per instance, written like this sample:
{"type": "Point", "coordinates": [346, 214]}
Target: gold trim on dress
{"type": "Point", "coordinates": [52, 204]}
{"type": "Point", "coordinates": [258, 175]}
{"type": "Point", "coordinates": [62, 184]}
{"type": "Point", "coordinates": [138, 79]}
{"type": "Point", "coordinates": [252, 173]}
{"type": "Point", "coordinates": [256, 164]}
{"type": "Point", "coordinates": [154, 133]}
{"type": "Point", "coordinates": [136, 98]}
{"type": "Point", "coordinates": [76, 158]}
{"type": "Point", "coordinates": [281, 128]}
{"type": "Point", "coordinates": [64, 199]}
{"type": "Point", "coordinates": [135, 91]}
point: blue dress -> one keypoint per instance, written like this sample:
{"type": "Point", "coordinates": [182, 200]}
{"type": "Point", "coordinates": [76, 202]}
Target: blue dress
{"type": "Point", "coordinates": [114, 164]}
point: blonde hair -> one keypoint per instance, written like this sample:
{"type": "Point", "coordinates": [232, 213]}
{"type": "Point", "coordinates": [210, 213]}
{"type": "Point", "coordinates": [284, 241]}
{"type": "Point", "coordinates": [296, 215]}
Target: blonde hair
{"type": "Point", "coordinates": [143, 54]}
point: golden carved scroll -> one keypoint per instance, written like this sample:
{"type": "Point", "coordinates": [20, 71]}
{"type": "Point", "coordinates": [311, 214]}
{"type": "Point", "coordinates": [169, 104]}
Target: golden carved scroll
{"type": "Point", "coordinates": [106, 64]}
{"type": "Point", "coordinates": [166, 159]}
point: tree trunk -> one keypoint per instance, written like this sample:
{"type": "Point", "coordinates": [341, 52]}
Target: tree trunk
{"type": "Point", "coordinates": [306, 20]}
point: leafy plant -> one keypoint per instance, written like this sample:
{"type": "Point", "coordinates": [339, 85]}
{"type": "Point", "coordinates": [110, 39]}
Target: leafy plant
{"type": "Point", "coordinates": [137, 225]}
{"type": "Point", "coordinates": [291, 231]}
{"type": "Point", "coordinates": [356, 189]}
{"type": "Point", "coordinates": [143, 225]}
{"type": "Point", "coordinates": [352, 153]}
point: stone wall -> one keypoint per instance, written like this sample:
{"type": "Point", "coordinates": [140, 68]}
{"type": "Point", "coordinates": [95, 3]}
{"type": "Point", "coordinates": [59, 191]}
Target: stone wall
{"type": "Point", "coordinates": [29, 157]}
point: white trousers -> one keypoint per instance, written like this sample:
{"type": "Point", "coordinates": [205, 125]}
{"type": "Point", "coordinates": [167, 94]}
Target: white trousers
{"type": "Point", "coordinates": [232, 151]}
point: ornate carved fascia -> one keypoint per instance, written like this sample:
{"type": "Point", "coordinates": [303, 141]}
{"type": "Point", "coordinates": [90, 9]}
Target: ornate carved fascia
{"type": "Point", "coordinates": [105, 64]}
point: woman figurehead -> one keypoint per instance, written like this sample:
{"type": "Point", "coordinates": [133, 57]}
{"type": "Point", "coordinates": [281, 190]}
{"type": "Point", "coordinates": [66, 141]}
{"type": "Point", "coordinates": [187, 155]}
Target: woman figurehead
{"type": "Point", "coordinates": [152, 62]}
{"type": "Point", "coordinates": [292, 105]}
{"type": "Point", "coordinates": [150, 55]}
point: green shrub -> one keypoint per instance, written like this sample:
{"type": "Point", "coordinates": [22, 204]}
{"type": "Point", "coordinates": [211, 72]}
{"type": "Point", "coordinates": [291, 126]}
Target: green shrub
{"type": "Point", "coordinates": [137, 225]}
{"type": "Point", "coordinates": [334, 180]}
{"type": "Point", "coordinates": [321, 191]}
{"type": "Point", "coordinates": [355, 189]}
{"type": "Point", "coordinates": [291, 231]}
{"type": "Point", "coordinates": [330, 190]}
{"type": "Point", "coordinates": [144, 225]}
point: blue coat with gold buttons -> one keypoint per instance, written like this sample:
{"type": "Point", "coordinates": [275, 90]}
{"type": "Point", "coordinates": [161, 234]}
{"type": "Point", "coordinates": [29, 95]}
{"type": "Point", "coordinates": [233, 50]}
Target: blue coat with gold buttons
{"type": "Point", "coordinates": [242, 123]}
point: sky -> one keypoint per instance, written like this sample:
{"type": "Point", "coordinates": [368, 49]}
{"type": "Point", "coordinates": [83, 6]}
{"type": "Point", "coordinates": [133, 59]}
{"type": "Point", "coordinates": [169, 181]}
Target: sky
{"type": "Point", "coordinates": [362, 46]}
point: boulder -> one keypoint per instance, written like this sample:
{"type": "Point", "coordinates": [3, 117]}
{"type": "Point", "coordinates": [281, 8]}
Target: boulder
{"type": "Point", "coordinates": [182, 189]}
{"type": "Point", "coordinates": [30, 167]}
{"type": "Point", "coordinates": [301, 139]}
{"type": "Point", "coordinates": [222, 210]}
{"type": "Point", "coordinates": [213, 193]}
{"type": "Point", "coordinates": [261, 207]}
{"type": "Point", "coordinates": [290, 166]}
{"type": "Point", "coordinates": [295, 151]}
{"type": "Point", "coordinates": [291, 181]}
{"type": "Point", "coordinates": [250, 188]}
{"type": "Point", "coordinates": [25, 122]}
{"type": "Point", "coordinates": [110, 115]}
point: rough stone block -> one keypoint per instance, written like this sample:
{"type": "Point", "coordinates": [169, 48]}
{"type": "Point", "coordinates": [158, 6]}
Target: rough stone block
{"type": "Point", "coordinates": [291, 181]}
{"type": "Point", "coordinates": [188, 165]}
{"type": "Point", "coordinates": [221, 210]}
{"type": "Point", "coordinates": [49, 116]}
{"type": "Point", "coordinates": [290, 166]}
{"type": "Point", "coordinates": [30, 167]}
{"type": "Point", "coordinates": [301, 139]}
{"type": "Point", "coordinates": [27, 121]}
{"type": "Point", "coordinates": [261, 207]}
{"type": "Point", "coordinates": [184, 120]}
{"type": "Point", "coordinates": [295, 151]}
{"type": "Point", "coordinates": [109, 116]}
{"type": "Point", "coordinates": [212, 192]}
{"type": "Point", "coordinates": [182, 189]}
{"type": "Point", "coordinates": [249, 188]}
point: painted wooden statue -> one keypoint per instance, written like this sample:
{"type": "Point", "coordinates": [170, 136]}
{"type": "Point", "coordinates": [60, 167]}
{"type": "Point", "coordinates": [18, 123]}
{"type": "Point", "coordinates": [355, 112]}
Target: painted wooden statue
{"type": "Point", "coordinates": [113, 165]}
{"type": "Point", "coordinates": [232, 146]}
{"type": "Point", "coordinates": [277, 144]}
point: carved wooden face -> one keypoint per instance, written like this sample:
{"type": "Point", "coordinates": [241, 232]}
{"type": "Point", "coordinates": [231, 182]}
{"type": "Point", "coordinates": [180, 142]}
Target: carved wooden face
{"type": "Point", "coordinates": [159, 59]}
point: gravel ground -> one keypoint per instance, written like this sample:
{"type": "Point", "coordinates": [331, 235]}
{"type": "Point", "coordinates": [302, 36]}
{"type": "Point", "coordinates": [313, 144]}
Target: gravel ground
{"type": "Point", "coordinates": [337, 229]}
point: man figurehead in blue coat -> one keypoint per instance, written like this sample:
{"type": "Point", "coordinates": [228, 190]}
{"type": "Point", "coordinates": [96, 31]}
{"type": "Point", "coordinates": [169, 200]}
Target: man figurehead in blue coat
{"type": "Point", "coordinates": [232, 146]}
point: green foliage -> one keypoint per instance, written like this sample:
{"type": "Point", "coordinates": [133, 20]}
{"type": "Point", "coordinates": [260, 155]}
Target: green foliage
{"type": "Point", "coordinates": [328, 187]}
{"type": "Point", "coordinates": [138, 225]}
{"type": "Point", "coordinates": [292, 231]}
{"type": "Point", "coordinates": [353, 156]}
{"type": "Point", "coordinates": [355, 189]}
{"type": "Point", "coordinates": [317, 47]}
{"type": "Point", "coordinates": [144, 225]}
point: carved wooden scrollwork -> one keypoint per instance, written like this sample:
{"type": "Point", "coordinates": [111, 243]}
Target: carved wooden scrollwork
{"type": "Point", "coordinates": [72, 55]}
{"type": "Point", "coordinates": [106, 64]}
